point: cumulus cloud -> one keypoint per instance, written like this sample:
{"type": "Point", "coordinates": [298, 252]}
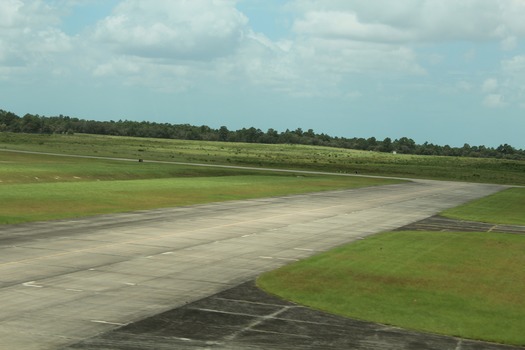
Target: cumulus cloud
{"type": "Point", "coordinates": [494, 101]}
{"type": "Point", "coordinates": [513, 71]}
{"type": "Point", "coordinates": [494, 97]}
{"type": "Point", "coordinates": [332, 40]}
{"type": "Point", "coordinates": [509, 43]}
{"type": "Point", "coordinates": [346, 25]}
{"type": "Point", "coordinates": [173, 30]}
{"type": "Point", "coordinates": [332, 43]}
{"type": "Point", "coordinates": [416, 20]}
{"type": "Point", "coordinates": [335, 40]}
{"type": "Point", "coordinates": [28, 34]}
{"type": "Point", "coordinates": [514, 65]}
{"type": "Point", "coordinates": [352, 36]}
{"type": "Point", "coordinates": [463, 85]}
{"type": "Point", "coordinates": [490, 85]}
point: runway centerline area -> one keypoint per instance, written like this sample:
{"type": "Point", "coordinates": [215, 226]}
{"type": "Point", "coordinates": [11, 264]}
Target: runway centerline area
{"type": "Point", "coordinates": [68, 280]}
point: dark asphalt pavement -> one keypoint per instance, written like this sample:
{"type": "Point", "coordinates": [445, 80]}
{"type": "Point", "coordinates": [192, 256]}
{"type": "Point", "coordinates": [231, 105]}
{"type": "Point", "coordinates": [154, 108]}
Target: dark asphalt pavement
{"type": "Point", "coordinates": [244, 317]}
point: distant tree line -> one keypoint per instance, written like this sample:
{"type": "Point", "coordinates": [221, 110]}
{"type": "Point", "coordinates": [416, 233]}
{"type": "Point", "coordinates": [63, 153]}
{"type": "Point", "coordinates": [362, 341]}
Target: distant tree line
{"type": "Point", "coordinates": [30, 123]}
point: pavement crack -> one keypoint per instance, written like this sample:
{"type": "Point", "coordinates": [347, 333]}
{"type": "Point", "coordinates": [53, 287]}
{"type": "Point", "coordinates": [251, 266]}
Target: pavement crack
{"type": "Point", "coordinates": [256, 322]}
{"type": "Point", "coordinates": [247, 302]}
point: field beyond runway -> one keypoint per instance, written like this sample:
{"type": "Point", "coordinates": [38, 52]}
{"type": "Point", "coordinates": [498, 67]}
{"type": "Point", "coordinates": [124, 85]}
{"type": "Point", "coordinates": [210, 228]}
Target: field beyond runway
{"type": "Point", "coordinates": [65, 281]}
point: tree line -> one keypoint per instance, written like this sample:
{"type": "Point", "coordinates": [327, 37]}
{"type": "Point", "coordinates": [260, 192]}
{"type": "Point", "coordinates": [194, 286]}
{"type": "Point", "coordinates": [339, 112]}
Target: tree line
{"type": "Point", "coordinates": [30, 123]}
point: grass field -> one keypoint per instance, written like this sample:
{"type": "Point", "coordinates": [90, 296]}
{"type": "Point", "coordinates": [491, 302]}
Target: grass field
{"type": "Point", "coordinates": [277, 156]}
{"type": "Point", "coordinates": [39, 187]}
{"type": "Point", "coordinates": [463, 284]}
{"type": "Point", "coordinates": [506, 207]}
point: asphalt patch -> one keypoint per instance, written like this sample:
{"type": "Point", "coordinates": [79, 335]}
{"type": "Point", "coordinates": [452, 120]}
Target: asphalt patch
{"type": "Point", "coordinates": [245, 317]}
{"type": "Point", "coordinates": [440, 223]}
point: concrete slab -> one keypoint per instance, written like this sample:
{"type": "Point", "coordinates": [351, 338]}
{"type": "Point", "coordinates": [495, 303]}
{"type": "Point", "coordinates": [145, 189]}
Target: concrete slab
{"type": "Point", "coordinates": [129, 266]}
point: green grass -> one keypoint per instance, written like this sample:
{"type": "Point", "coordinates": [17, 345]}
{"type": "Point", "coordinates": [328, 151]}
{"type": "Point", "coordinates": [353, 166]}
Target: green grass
{"type": "Point", "coordinates": [18, 168]}
{"type": "Point", "coordinates": [463, 284]}
{"type": "Point", "coordinates": [506, 207]}
{"type": "Point", "coordinates": [278, 156]}
{"type": "Point", "coordinates": [39, 187]}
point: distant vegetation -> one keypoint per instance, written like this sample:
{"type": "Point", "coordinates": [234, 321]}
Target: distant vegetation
{"type": "Point", "coordinates": [37, 124]}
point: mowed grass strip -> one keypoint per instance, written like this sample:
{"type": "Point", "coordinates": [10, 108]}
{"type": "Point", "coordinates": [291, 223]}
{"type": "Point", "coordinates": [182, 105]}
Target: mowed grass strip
{"type": "Point", "coordinates": [18, 168]}
{"type": "Point", "coordinates": [506, 207]}
{"type": "Point", "coordinates": [462, 284]}
{"type": "Point", "coordinates": [46, 201]}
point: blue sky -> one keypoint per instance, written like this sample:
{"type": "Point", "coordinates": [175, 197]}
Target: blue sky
{"type": "Point", "coordinates": [442, 71]}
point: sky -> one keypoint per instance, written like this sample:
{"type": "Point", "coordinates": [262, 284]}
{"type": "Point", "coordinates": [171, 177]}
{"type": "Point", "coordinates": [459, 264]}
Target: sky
{"type": "Point", "coordinates": [439, 71]}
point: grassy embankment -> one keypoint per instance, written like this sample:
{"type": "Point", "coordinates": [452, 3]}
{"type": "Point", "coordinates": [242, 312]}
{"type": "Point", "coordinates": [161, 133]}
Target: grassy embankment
{"type": "Point", "coordinates": [40, 187]}
{"type": "Point", "coordinates": [462, 284]}
{"type": "Point", "coordinates": [277, 156]}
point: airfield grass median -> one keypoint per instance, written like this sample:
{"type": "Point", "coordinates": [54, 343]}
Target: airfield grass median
{"type": "Point", "coordinates": [287, 156]}
{"type": "Point", "coordinates": [39, 187]}
{"type": "Point", "coordinates": [506, 207]}
{"type": "Point", "coordinates": [462, 284]}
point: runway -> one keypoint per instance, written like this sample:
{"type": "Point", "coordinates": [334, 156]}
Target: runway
{"type": "Point", "coordinates": [65, 281]}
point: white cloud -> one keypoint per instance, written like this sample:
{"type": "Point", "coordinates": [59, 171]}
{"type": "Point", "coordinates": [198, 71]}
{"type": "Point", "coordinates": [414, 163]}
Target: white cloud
{"type": "Point", "coordinates": [171, 46]}
{"type": "Point", "coordinates": [28, 34]}
{"type": "Point", "coordinates": [489, 85]}
{"type": "Point", "coordinates": [463, 86]}
{"type": "Point", "coordinates": [346, 25]}
{"type": "Point", "coordinates": [348, 37]}
{"type": "Point", "coordinates": [334, 42]}
{"type": "Point", "coordinates": [514, 65]}
{"type": "Point", "coordinates": [175, 45]}
{"type": "Point", "coordinates": [354, 94]}
{"type": "Point", "coordinates": [509, 43]}
{"type": "Point", "coordinates": [494, 101]}
{"type": "Point", "coordinates": [416, 20]}
{"type": "Point", "coordinates": [513, 71]}
{"type": "Point", "coordinates": [173, 30]}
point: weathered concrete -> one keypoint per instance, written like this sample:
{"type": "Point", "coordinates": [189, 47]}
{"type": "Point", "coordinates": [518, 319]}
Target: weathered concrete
{"type": "Point", "coordinates": [64, 281]}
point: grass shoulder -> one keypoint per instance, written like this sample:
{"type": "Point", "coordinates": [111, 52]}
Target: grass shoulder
{"type": "Point", "coordinates": [505, 207]}
{"type": "Point", "coordinates": [429, 281]}
{"type": "Point", "coordinates": [41, 187]}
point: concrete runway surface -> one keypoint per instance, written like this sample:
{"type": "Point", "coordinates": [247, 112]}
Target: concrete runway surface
{"type": "Point", "coordinates": [65, 281]}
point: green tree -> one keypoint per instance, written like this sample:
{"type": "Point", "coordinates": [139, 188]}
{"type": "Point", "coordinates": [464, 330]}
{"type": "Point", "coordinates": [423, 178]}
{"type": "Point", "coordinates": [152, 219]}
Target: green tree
{"type": "Point", "coordinates": [224, 133]}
